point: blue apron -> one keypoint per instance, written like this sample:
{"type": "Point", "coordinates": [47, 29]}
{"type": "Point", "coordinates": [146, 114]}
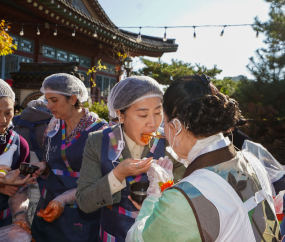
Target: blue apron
{"type": "Point", "coordinates": [118, 218]}
{"type": "Point", "coordinates": [73, 224]}
{"type": "Point", "coordinates": [5, 214]}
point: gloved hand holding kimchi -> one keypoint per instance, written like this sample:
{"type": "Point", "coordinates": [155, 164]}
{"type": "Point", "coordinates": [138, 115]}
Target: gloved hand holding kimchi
{"type": "Point", "coordinates": [160, 176]}
{"type": "Point", "coordinates": [56, 207]}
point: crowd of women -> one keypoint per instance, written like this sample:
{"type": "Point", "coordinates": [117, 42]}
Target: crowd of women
{"type": "Point", "coordinates": [219, 193]}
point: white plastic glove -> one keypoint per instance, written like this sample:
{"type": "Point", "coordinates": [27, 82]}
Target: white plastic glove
{"type": "Point", "coordinates": [278, 202]}
{"type": "Point", "coordinates": [159, 171]}
{"type": "Point", "coordinates": [56, 207]}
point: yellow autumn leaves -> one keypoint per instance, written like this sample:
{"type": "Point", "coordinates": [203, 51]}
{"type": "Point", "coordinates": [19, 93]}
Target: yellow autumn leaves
{"type": "Point", "coordinates": [94, 70]}
{"type": "Point", "coordinates": [6, 44]}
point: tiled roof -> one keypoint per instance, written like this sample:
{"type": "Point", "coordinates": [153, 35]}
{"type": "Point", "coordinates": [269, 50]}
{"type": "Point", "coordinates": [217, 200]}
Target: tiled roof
{"type": "Point", "coordinates": [69, 10]}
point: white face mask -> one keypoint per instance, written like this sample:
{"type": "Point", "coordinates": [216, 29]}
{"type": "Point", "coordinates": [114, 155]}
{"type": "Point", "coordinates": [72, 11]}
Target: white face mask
{"type": "Point", "coordinates": [170, 150]}
{"type": "Point", "coordinates": [174, 121]}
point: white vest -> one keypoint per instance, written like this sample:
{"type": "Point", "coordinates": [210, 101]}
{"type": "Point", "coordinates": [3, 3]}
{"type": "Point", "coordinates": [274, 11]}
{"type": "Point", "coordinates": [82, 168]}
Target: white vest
{"type": "Point", "coordinates": [233, 213]}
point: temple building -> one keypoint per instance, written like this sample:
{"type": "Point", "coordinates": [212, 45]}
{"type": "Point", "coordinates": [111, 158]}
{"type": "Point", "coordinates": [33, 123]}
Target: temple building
{"type": "Point", "coordinates": [75, 32]}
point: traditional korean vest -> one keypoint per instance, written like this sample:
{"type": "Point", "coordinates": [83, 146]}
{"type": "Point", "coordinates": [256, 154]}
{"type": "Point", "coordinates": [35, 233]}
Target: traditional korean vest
{"type": "Point", "coordinates": [117, 219]}
{"type": "Point", "coordinates": [231, 198]}
{"type": "Point", "coordinates": [5, 214]}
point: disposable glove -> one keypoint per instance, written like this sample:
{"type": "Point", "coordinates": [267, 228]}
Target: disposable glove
{"type": "Point", "coordinates": [160, 171]}
{"type": "Point", "coordinates": [56, 207]}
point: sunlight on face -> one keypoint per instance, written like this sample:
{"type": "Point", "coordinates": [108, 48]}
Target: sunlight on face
{"type": "Point", "coordinates": [6, 112]}
{"type": "Point", "coordinates": [144, 116]}
{"type": "Point", "coordinates": [59, 105]}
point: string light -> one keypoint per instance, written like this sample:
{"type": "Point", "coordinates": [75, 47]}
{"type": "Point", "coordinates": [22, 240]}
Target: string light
{"type": "Point", "coordinates": [55, 31]}
{"type": "Point", "coordinates": [95, 35]}
{"type": "Point", "coordinates": [222, 33]}
{"type": "Point", "coordinates": [22, 31]}
{"type": "Point", "coordinates": [38, 30]}
{"type": "Point", "coordinates": [164, 39]}
{"type": "Point", "coordinates": [51, 1]}
{"type": "Point", "coordinates": [73, 34]}
{"type": "Point", "coordinates": [139, 38]}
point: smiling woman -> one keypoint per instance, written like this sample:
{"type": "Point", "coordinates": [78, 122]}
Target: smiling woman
{"type": "Point", "coordinates": [117, 157]}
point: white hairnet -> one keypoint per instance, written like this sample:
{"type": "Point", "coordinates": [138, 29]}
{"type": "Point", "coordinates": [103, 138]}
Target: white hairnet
{"type": "Point", "coordinates": [131, 90]}
{"type": "Point", "coordinates": [66, 85]}
{"type": "Point", "coordinates": [6, 90]}
{"type": "Point", "coordinates": [40, 102]}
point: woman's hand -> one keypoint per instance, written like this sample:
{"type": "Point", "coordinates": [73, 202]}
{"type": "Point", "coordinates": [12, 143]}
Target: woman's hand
{"type": "Point", "coordinates": [40, 171]}
{"type": "Point", "coordinates": [52, 211]}
{"type": "Point", "coordinates": [131, 167]}
{"type": "Point", "coordinates": [12, 178]}
{"type": "Point", "coordinates": [3, 172]}
{"type": "Point", "coordinates": [8, 189]}
{"type": "Point", "coordinates": [138, 206]}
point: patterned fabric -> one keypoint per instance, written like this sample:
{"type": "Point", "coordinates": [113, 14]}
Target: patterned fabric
{"type": "Point", "coordinates": [87, 119]}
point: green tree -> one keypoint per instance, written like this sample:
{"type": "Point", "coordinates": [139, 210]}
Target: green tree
{"type": "Point", "coordinates": [268, 66]}
{"type": "Point", "coordinates": [165, 73]}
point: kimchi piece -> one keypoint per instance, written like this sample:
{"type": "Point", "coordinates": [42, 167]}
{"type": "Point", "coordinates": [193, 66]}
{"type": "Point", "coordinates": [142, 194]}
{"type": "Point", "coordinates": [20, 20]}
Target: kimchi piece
{"type": "Point", "coordinates": [165, 185]}
{"type": "Point", "coordinates": [146, 137]}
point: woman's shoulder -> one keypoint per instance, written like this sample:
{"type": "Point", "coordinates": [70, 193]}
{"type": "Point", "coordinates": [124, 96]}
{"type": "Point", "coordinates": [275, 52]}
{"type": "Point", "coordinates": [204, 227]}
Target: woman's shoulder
{"type": "Point", "coordinates": [98, 135]}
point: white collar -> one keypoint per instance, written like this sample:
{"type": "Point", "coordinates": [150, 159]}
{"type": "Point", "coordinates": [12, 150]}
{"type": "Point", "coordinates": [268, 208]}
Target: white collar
{"type": "Point", "coordinates": [130, 143]}
{"type": "Point", "coordinates": [206, 145]}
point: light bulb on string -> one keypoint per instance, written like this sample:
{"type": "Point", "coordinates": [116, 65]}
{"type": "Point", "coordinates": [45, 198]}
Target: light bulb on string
{"type": "Point", "coordinates": [51, 1]}
{"type": "Point", "coordinates": [73, 34]}
{"type": "Point", "coordinates": [38, 30]}
{"type": "Point", "coordinates": [55, 31]}
{"type": "Point", "coordinates": [257, 34]}
{"type": "Point", "coordinates": [95, 35]}
{"type": "Point", "coordinates": [114, 36]}
{"type": "Point", "coordinates": [139, 38]}
{"type": "Point", "coordinates": [222, 33]}
{"type": "Point", "coordinates": [194, 35]}
{"type": "Point", "coordinates": [164, 39]}
{"type": "Point", "coordinates": [22, 31]}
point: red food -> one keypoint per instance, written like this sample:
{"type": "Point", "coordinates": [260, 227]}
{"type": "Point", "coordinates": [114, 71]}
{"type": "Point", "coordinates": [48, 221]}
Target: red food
{"type": "Point", "coordinates": [165, 185]}
{"type": "Point", "coordinates": [146, 137]}
{"type": "Point", "coordinates": [52, 211]}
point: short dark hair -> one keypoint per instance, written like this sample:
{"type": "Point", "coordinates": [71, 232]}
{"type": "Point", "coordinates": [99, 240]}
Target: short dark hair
{"type": "Point", "coordinates": [200, 107]}
{"type": "Point", "coordinates": [77, 105]}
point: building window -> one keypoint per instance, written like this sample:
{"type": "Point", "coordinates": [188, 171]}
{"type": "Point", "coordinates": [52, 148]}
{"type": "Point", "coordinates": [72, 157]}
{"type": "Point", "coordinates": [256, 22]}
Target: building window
{"type": "Point", "coordinates": [105, 84]}
{"type": "Point", "coordinates": [61, 55]}
{"type": "Point", "coordinates": [23, 44]}
{"type": "Point", "coordinates": [26, 45]}
{"type": "Point", "coordinates": [49, 52]}
{"type": "Point", "coordinates": [65, 56]}
{"type": "Point", "coordinates": [73, 57]}
{"type": "Point", "coordinates": [15, 40]}
{"type": "Point", "coordinates": [86, 62]}
{"type": "Point", "coordinates": [12, 64]}
{"type": "Point", "coordinates": [110, 68]}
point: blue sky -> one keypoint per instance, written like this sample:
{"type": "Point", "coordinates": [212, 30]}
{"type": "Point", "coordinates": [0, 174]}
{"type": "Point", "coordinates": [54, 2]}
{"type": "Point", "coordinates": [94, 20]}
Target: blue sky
{"type": "Point", "coordinates": [230, 53]}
